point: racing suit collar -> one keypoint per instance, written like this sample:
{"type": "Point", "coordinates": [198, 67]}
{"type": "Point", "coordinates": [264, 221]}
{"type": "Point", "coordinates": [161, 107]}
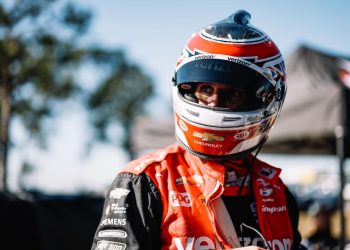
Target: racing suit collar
{"type": "Point", "coordinates": [217, 169]}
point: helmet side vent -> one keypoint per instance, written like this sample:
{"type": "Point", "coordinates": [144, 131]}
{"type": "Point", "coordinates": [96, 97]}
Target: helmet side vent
{"type": "Point", "coordinates": [231, 119]}
{"type": "Point", "coordinates": [192, 113]}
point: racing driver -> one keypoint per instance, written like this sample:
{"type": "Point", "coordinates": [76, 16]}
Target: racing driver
{"type": "Point", "coordinates": [210, 191]}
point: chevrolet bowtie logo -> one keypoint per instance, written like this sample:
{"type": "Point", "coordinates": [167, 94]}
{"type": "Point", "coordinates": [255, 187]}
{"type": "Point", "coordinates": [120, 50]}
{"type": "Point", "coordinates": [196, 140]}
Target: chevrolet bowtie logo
{"type": "Point", "coordinates": [208, 137]}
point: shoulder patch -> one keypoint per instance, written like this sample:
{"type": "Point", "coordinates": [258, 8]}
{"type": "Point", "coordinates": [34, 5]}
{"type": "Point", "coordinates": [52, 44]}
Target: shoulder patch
{"type": "Point", "coordinates": [139, 165]}
{"type": "Point", "coordinates": [266, 171]}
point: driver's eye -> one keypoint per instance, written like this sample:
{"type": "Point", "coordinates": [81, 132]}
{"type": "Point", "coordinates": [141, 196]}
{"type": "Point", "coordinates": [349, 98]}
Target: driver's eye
{"type": "Point", "coordinates": [206, 90]}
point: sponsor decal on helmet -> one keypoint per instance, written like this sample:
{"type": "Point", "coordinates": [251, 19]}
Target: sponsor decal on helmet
{"type": "Point", "coordinates": [183, 125]}
{"type": "Point", "coordinates": [109, 245]}
{"type": "Point", "coordinates": [118, 193]}
{"type": "Point", "coordinates": [216, 66]}
{"type": "Point", "coordinates": [201, 57]}
{"type": "Point", "coordinates": [242, 135]}
{"type": "Point", "coordinates": [206, 144]}
{"type": "Point", "coordinates": [268, 76]}
{"type": "Point", "coordinates": [208, 136]}
{"type": "Point", "coordinates": [239, 61]}
{"type": "Point", "coordinates": [112, 234]}
{"type": "Point", "coordinates": [253, 118]}
{"type": "Point", "coordinates": [179, 199]}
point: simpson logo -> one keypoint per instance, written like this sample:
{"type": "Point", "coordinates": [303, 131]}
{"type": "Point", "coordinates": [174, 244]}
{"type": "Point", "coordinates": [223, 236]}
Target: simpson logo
{"type": "Point", "coordinates": [274, 209]}
{"type": "Point", "coordinates": [112, 234]}
{"type": "Point", "coordinates": [118, 193]}
{"type": "Point", "coordinates": [202, 242]}
{"type": "Point", "coordinates": [109, 245]}
{"type": "Point", "coordinates": [179, 199]}
{"type": "Point", "coordinates": [208, 137]}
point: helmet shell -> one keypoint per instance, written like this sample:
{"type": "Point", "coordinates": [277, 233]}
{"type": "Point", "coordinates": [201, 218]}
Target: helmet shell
{"type": "Point", "coordinates": [234, 53]}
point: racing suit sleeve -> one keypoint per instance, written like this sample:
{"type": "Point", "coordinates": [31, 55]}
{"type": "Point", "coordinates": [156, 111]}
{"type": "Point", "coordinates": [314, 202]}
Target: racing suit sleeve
{"type": "Point", "coordinates": [131, 216]}
{"type": "Point", "coordinates": [293, 211]}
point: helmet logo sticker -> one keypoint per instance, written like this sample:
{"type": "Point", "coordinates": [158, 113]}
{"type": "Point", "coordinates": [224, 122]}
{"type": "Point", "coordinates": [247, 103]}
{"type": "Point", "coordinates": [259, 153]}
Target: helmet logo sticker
{"type": "Point", "coordinates": [242, 135]}
{"type": "Point", "coordinates": [183, 125]}
{"type": "Point", "coordinates": [208, 136]}
{"type": "Point", "coordinates": [253, 118]}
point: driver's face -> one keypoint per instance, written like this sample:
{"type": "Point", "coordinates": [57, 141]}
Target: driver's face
{"type": "Point", "coordinates": [219, 95]}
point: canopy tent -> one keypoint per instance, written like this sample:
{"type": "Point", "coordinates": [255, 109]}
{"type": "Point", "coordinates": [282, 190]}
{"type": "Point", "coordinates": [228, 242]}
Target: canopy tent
{"type": "Point", "coordinates": [313, 107]}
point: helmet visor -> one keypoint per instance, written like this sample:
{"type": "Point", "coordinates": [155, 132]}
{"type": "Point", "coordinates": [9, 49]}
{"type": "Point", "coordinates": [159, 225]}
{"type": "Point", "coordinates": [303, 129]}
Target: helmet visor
{"type": "Point", "coordinates": [240, 81]}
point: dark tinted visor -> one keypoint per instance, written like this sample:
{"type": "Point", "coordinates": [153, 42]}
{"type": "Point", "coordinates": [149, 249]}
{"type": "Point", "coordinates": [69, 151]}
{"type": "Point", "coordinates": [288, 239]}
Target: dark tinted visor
{"type": "Point", "coordinates": [258, 90]}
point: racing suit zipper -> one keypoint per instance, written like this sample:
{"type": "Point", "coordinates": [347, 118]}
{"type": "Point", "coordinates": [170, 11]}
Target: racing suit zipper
{"type": "Point", "coordinates": [226, 235]}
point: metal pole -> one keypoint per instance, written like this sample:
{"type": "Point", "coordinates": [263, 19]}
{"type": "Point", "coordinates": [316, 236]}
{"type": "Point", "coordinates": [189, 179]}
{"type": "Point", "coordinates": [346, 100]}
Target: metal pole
{"type": "Point", "coordinates": [341, 135]}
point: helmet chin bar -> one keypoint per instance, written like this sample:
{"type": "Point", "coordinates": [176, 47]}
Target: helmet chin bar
{"type": "Point", "coordinates": [237, 156]}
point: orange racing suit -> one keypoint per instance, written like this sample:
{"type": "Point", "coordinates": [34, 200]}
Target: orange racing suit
{"type": "Point", "coordinates": [172, 199]}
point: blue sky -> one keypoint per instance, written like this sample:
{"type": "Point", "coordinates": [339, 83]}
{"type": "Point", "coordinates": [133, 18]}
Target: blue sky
{"type": "Point", "coordinates": [153, 34]}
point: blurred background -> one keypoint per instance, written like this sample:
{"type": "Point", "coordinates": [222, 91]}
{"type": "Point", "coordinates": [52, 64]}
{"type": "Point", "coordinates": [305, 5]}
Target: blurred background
{"type": "Point", "coordinates": [85, 87]}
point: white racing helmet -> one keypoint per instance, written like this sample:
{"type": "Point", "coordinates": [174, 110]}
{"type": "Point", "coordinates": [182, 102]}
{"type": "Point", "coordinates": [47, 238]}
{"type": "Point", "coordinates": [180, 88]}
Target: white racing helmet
{"type": "Point", "coordinates": [232, 53]}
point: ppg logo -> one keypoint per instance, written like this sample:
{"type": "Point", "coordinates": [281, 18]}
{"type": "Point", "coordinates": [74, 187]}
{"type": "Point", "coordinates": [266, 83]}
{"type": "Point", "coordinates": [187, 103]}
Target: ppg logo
{"type": "Point", "coordinates": [179, 199]}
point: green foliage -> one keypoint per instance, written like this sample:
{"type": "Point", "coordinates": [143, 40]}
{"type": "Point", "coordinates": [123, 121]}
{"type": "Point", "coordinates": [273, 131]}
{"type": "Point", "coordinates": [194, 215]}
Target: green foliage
{"type": "Point", "coordinates": [37, 64]}
{"type": "Point", "coordinates": [40, 54]}
{"type": "Point", "coordinates": [119, 98]}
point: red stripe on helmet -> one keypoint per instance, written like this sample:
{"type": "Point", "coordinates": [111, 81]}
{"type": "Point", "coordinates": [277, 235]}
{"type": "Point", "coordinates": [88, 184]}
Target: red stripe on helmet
{"type": "Point", "coordinates": [263, 50]}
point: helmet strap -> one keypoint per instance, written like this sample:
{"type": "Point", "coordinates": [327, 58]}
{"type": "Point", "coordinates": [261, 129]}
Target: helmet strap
{"type": "Point", "coordinates": [250, 165]}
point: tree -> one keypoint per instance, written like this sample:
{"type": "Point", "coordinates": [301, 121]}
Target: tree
{"type": "Point", "coordinates": [40, 53]}
{"type": "Point", "coordinates": [119, 100]}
